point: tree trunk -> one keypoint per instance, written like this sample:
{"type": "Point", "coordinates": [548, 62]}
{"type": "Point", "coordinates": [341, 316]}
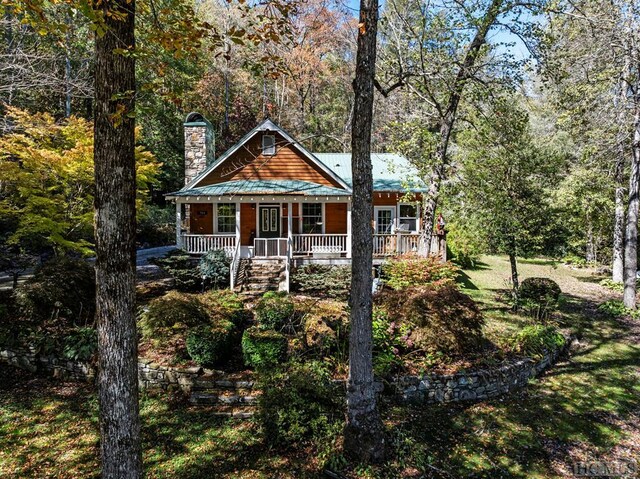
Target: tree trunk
{"type": "Point", "coordinates": [590, 253]}
{"type": "Point", "coordinates": [115, 243]}
{"type": "Point", "coordinates": [15, 275]}
{"type": "Point", "coordinates": [631, 236]}
{"type": "Point", "coordinates": [620, 104]}
{"type": "Point", "coordinates": [514, 271]}
{"type": "Point", "coordinates": [364, 432]}
{"type": "Point", "coordinates": [447, 121]}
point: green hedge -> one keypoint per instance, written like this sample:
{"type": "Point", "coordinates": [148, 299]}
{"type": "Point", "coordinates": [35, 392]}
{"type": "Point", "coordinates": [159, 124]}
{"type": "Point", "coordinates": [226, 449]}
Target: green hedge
{"type": "Point", "coordinates": [263, 349]}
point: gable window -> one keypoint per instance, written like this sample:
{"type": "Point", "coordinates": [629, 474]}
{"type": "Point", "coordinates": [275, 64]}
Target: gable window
{"type": "Point", "coordinates": [408, 217]}
{"type": "Point", "coordinates": [311, 218]}
{"type": "Point", "coordinates": [226, 213]}
{"type": "Point", "coordinates": [268, 145]}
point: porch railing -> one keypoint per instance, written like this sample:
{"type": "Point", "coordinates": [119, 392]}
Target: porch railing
{"type": "Point", "coordinates": [270, 247]}
{"type": "Point", "coordinates": [200, 244]}
{"type": "Point", "coordinates": [233, 268]}
{"type": "Point", "coordinates": [392, 244]}
{"type": "Point", "coordinates": [310, 243]}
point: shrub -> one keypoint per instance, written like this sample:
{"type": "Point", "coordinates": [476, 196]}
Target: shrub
{"type": "Point", "coordinates": [536, 340]}
{"type": "Point", "coordinates": [183, 269]}
{"type": "Point", "coordinates": [223, 304]}
{"type": "Point", "coordinates": [539, 296]}
{"type": "Point", "coordinates": [172, 313]}
{"type": "Point", "coordinates": [402, 273]}
{"type": "Point", "coordinates": [263, 349]}
{"type": "Point", "coordinates": [616, 308]}
{"type": "Point", "coordinates": [574, 260]}
{"type": "Point", "coordinates": [322, 280]}
{"type": "Point", "coordinates": [62, 287]}
{"type": "Point", "coordinates": [274, 310]}
{"type": "Point", "coordinates": [156, 226]}
{"type": "Point", "coordinates": [300, 404]}
{"type": "Point", "coordinates": [441, 319]}
{"type": "Point", "coordinates": [464, 245]}
{"type": "Point", "coordinates": [81, 344]}
{"type": "Point", "coordinates": [389, 339]}
{"type": "Point", "coordinates": [325, 326]}
{"type": "Point", "coordinates": [214, 268]}
{"type": "Point", "coordinates": [613, 285]}
{"type": "Point", "coordinates": [210, 344]}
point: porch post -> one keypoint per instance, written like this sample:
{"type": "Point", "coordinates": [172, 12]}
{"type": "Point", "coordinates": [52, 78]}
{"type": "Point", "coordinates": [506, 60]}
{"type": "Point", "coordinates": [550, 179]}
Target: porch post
{"type": "Point", "coordinates": [289, 243]}
{"type": "Point", "coordinates": [349, 229]}
{"type": "Point", "coordinates": [178, 225]}
{"type": "Point", "coordinates": [237, 224]}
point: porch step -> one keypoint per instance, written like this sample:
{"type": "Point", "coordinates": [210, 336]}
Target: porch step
{"type": "Point", "coordinates": [259, 276]}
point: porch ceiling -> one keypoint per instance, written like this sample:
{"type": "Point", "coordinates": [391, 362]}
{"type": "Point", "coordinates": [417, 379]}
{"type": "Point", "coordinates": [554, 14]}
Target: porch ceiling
{"type": "Point", "coordinates": [262, 187]}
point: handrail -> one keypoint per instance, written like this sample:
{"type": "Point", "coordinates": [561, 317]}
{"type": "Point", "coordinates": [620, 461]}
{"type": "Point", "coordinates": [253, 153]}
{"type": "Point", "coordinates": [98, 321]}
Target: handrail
{"type": "Point", "coordinates": [233, 268]}
{"type": "Point", "coordinates": [287, 266]}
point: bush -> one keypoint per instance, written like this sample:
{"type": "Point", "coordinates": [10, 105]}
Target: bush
{"type": "Point", "coordinates": [183, 269]}
{"type": "Point", "coordinates": [62, 287]}
{"type": "Point", "coordinates": [574, 260]}
{"type": "Point", "coordinates": [325, 326]}
{"type": "Point", "coordinates": [464, 245]}
{"type": "Point", "coordinates": [156, 226]}
{"type": "Point", "coordinates": [389, 339]}
{"type": "Point", "coordinates": [616, 308]}
{"type": "Point", "coordinates": [210, 344]}
{"type": "Point", "coordinates": [170, 314]}
{"type": "Point", "coordinates": [322, 280]}
{"type": "Point", "coordinates": [214, 268]}
{"type": "Point", "coordinates": [536, 340]}
{"type": "Point", "coordinates": [300, 404]}
{"type": "Point", "coordinates": [441, 319]}
{"type": "Point", "coordinates": [614, 286]}
{"type": "Point", "coordinates": [263, 349]}
{"type": "Point", "coordinates": [81, 344]}
{"type": "Point", "coordinates": [539, 296]}
{"type": "Point", "coordinates": [274, 310]}
{"type": "Point", "coordinates": [406, 272]}
{"type": "Point", "coordinates": [224, 304]}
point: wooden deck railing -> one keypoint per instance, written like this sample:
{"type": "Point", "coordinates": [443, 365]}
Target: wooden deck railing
{"type": "Point", "coordinates": [200, 244]}
{"type": "Point", "coordinates": [310, 243]}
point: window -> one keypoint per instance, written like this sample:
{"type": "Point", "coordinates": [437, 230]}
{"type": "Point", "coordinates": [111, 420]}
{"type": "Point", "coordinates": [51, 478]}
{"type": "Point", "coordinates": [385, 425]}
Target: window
{"type": "Point", "coordinates": [268, 145]}
{"type": "Point", "coordinates": [311, 217]}
{"type": "Point", "coordinates": [408, 217]}
{"type": "Point", "coordinates": [226, 217]}
{"type": "Point", "coordinates": [384, 220]}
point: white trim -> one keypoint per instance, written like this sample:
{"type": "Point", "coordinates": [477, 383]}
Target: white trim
{"type": "Point", "coordinates": [268, 205]}
{"type": "Point", "coordinates": [260, 198]}
{"type": "Point", "coordinates": [416, 218]}
{"type": "Point", "coordinates": [266, 125]}
{"type": "Point", "coordinates": [376, 209]}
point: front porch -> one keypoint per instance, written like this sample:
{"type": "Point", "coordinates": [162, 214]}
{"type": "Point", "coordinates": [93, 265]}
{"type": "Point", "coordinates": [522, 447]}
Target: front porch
{"type": "Point", "coordinates": [305, 245]}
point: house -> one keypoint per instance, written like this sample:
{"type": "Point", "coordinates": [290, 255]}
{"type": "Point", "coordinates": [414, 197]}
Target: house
{"type": "Point", "coordinates": [269, 200]}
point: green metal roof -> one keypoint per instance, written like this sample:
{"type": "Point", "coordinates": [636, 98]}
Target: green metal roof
{"type": "Point", "coordinates": [266, 187]}
{"type": "Point", "coordinates": [391, 172]}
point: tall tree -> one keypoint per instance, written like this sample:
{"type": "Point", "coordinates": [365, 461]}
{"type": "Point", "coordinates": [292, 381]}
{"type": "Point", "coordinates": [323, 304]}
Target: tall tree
{"type": "Point", "coordinates": [364, 431]}
{"type": "Point", "coordinates": [115, 229]}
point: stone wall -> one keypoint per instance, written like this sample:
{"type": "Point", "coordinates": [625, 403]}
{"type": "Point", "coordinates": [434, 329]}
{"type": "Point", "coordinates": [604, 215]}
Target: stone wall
{"type": "Point", "coordinates": [472, 386]}
{"type": "Point", "coordinates": [476, 385]}
{"type": "Point", "coordinates": [150, 375]}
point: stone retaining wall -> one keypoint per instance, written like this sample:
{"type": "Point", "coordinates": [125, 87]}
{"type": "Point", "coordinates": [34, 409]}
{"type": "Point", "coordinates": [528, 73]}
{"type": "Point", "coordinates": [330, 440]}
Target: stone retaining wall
{"type": "Point", "coordinates": [476, 385]}
{"type": "Point", "coordinates": [150, 375]}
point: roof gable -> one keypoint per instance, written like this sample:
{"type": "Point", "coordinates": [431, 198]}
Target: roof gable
{"type": "Point", "coordinates": [265, 126]}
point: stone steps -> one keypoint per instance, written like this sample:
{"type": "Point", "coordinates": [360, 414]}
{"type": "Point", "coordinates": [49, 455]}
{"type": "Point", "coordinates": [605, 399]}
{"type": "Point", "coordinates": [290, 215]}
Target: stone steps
{"type": "Point", "coordinates": [260, 276]}
{"type": "Point", "coordinates": [226, 397]}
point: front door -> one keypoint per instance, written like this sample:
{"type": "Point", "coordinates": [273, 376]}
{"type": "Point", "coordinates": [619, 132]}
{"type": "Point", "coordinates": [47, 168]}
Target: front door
{"type": "Point", "coordinates": [201, 218]}
{"type": "Point", "coordinates": [269, 222]}
{"type": "Point", "coordinates": [384, 220]}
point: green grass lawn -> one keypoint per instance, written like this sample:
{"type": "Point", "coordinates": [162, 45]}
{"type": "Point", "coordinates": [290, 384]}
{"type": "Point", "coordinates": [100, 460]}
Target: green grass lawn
{"type": "Point", "coordinates": [587, 407]}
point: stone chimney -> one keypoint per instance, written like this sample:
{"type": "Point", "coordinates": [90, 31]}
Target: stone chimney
{"type": "Point", "coordinates": [199, 146]}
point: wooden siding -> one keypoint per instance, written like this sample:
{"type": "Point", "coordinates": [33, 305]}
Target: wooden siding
{"type": "Point", "coordinates": [201, 218]}
{"type": "Point", "coordinates": [335, 218]}
{"type": "Point", "coordinates": [248, 163]}
{"type": "Point", "coordinates": [247, 223]}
